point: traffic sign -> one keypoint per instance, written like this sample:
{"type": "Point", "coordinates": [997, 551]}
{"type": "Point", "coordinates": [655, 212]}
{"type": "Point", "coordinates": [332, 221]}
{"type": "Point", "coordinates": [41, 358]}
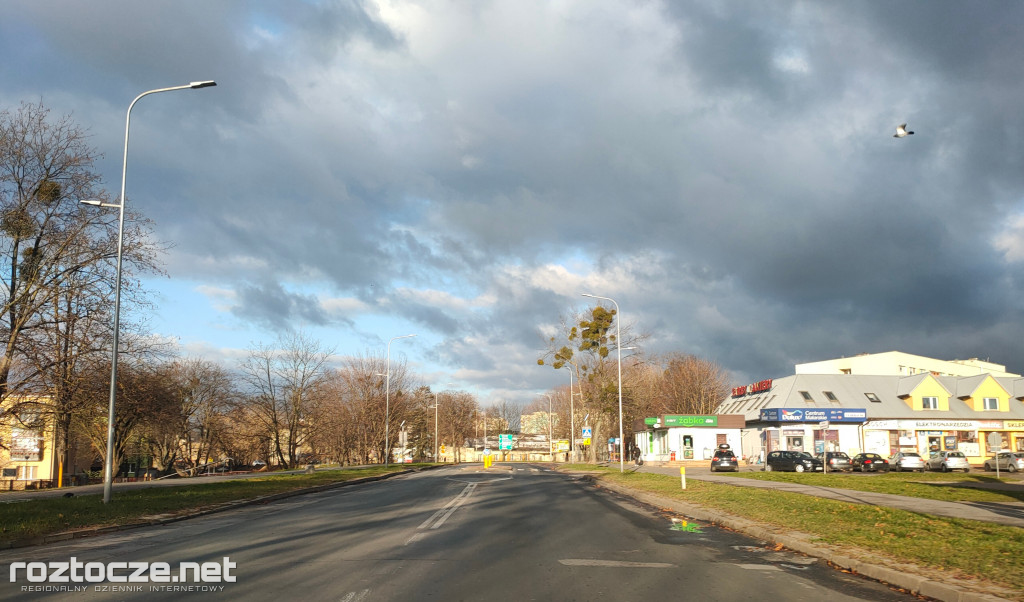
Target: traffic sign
{"type": "Point", "coordinates": [505, 441]}
{"type": "Point", "coordinates": [588, 432]}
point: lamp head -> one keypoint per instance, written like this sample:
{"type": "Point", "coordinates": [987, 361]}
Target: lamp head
{"type": "Point", "coordinates": [204, 84]}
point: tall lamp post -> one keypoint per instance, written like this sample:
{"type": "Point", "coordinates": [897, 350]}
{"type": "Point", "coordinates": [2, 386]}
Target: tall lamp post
{"type": "Point", "coordinates": [435, 422]}
{"type": "Point", "coordinates": [572, 419]}
{"type": "Point", "coordinates": [618, 352]}
{"type": "Point", "coordinates": [108, 469]}
{"type": "Point", "coordinates": [387, 400]}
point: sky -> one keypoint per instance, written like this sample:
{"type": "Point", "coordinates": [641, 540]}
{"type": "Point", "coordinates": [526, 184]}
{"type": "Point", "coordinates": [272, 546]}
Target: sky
{"type": "Point", "coordinates": [465, 171]}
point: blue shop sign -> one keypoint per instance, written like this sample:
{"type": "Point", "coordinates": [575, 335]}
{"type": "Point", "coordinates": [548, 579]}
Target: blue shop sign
{"type": "Point", "coordinates": [813, 415]}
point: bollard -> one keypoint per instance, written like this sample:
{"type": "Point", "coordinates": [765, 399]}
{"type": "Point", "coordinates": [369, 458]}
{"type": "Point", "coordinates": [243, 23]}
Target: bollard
{"type": "Point", "coordinates": [682, 474]}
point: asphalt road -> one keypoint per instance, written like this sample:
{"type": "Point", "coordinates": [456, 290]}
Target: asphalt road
{"type": "Point", "coordinates": [519, 533]}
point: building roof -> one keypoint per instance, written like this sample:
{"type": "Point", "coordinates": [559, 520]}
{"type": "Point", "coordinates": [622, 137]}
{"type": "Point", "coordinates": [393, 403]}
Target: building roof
{"type": "Point", "coordinates": [853, 391]}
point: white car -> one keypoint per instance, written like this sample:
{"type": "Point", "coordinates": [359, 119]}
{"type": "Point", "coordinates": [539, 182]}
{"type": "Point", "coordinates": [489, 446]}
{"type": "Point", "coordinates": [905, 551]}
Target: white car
{"type": "Point", "coordinates": [907, 461]}
{"type": "Point", "coordinates": [947, 461]}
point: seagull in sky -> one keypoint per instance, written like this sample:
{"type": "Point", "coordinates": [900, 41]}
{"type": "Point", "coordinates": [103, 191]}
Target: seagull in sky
{"type": "Point", "coordinates": [901, 131]}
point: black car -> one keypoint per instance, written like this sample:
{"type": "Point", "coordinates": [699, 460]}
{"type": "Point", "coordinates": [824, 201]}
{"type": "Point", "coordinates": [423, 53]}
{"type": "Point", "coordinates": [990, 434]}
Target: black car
{"type": "Point", "coordinates": [869, 463]}
{"type": "Point", "coordinates": [792, 460]}
{"type": "Point", "coordinates": [724, 460]}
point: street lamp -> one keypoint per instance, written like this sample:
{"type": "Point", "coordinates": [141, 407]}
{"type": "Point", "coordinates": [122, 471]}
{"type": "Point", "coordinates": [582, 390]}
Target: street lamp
{"type": "Point", "coordinates": [572, 418]}
{"type": "Point", "coordinates": [108, 469]}
{"type": "Point", "coordinates": [387, 400]}
{"type": "Point", "coordinates": [618, 352]}
{"type": "Point", "coordinates": [435, 421]}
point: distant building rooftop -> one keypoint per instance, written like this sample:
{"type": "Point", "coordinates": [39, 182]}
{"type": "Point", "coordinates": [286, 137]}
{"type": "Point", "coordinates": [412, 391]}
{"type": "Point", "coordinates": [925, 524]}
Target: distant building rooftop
{"type": "Point", "coordinates": [897, 363]}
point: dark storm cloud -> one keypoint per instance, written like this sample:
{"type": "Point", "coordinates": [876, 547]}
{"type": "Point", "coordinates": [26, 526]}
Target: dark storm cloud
{"type": "Point", "coordinates": [726, 171]}
{"type": "Point", "coordinates": [277, 309]}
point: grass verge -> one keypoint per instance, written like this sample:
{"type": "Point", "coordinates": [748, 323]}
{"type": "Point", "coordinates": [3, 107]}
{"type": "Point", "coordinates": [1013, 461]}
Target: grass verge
{"type": "Point", "coordinates": [947, 487]}
{"type": "Point", "coordinates": [958, 548]}
{"type": "Point", "coordinates": [49, 515]}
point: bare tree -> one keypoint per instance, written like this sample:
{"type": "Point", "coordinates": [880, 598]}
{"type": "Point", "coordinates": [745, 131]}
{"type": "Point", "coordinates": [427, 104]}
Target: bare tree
{"type": "Point", "coordinates": [58, 280]}
{"type": "Point", "coordinates": [145, 403]}
{"type": "Point", "coordinates": [585, 344]}
{"type": "Point", "coordinates": [204, 393]}
{"type": "Point", "coordinates": [282, 389]}
{"type": "Point", "coordinates": [691, 385]}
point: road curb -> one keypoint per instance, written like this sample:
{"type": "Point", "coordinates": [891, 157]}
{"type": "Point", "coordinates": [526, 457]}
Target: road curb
{"type": "Point", "coordinates": [266, 499]}
{"type": "Point", "coordinates": [803, 543]}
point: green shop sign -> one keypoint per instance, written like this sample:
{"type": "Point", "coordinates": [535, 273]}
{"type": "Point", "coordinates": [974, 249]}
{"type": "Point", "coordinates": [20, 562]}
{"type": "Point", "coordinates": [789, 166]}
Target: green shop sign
{"type": "Point", "coordinates": [690, 421]}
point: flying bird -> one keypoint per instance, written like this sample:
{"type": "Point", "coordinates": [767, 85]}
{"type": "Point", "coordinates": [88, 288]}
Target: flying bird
{"type": "Point", "coordinates": [901, 131]}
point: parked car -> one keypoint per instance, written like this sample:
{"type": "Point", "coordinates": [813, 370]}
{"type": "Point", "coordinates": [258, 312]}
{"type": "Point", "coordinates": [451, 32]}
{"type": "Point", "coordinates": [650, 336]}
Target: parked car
{"type": "Point", "coordinates": [907, 461]}
{"type": "Point", "coordinates": [1008, 461]}
{"type": "Point", "coordinates": [258, 464]}
{"type": "Point", "coordinates": [947, 461]}
{"type": "Point", "coordinates": [724, 460]}
{"type": "Point", "coordinates": [792, 460]}
{"type": "Point", "coordinates": [837, 461]}
{"type": "Point", "coordinates": [869, 463]}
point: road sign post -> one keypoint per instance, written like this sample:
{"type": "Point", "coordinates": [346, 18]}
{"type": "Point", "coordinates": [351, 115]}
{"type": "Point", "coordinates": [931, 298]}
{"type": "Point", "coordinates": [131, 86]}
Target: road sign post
{"type": "Point", "coordinates": [995, 443]}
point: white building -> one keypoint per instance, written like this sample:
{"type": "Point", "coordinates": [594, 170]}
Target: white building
{"type": "Point", "coordinates": [852, 412]}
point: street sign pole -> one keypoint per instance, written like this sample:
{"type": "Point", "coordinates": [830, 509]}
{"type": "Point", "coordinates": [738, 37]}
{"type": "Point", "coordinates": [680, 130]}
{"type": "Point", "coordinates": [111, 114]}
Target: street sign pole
{"type": "Point", "coordinates": [995, 442]}
{"type": "Point", "coordinates": [823, 426]}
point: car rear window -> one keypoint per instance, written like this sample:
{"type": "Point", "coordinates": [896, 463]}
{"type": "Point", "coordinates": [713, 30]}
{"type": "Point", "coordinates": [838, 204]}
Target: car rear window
{"type": "Point", "coordinates": [955, 455]}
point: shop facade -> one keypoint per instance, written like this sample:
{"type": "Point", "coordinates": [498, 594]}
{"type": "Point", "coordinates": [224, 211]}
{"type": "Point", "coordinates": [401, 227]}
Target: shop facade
{"type": "Point", "coordinates": [884, 414]}
{"type": "Point", "coordinates": [677, 438]}
{"type": "Point", "coordinates": [810, 430]}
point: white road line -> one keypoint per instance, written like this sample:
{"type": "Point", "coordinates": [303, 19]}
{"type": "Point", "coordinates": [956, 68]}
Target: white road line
{"type": "Point", "coordinates": [615, 563]}
{"type": "Point", "coordinates": [442, 515]}
{"type": "Point", "coordinates": [355, 596]}
{"type": "Point", "coordinates": [759, 567]}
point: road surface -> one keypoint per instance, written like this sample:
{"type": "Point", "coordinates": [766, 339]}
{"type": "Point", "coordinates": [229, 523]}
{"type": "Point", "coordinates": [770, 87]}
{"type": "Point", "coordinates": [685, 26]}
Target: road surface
{"type": "Point", "coordinates": [460, 533]}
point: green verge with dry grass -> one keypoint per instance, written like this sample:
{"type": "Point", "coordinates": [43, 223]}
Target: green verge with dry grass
{"type": "Point", "coordinates": [49, 515]}
{"type": "Point", "coordinates": [957, 547]}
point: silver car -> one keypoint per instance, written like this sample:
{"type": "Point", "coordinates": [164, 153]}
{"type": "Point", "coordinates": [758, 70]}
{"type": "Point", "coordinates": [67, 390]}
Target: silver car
{"type": "Point", "coordinates": [947, 461]}
{"type": "Point", "coordinates": [907, 461]}
{"type": "Point", "coordinates": [1008, 461]}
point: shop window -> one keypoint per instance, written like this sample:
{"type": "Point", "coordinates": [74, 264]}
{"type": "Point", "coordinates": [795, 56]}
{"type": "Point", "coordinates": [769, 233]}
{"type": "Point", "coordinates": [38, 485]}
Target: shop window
{"type": "Point", "coordinates": [872, 397]}
{"type": "Point", "coordinates": [829, 395]}
{"type": "Point", "coordinates": [966, 437]}
{"type": "Point", "coordinates": [990, 403]}
{"type": "Point", "coordinates": [807, 396]}
{"type": "Point", "coordinates": [929, 403]}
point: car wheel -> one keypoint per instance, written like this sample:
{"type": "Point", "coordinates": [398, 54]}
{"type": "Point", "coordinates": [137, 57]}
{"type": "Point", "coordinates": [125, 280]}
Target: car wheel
{"type": "Point", "coordinates": [989, 467]}
{"type": "Point", "coordinates": [966, 470]}
{"type": "Point", "coordinates": [945, 468]}
{"type": "Point", "coordinates": [899, 468]}
{"type": "Point", "coordinates": [767, 467]}
{"type": "Point", "coordinates": [1011, 468]}
{"type": "Point", "coordinates": [799, 468]}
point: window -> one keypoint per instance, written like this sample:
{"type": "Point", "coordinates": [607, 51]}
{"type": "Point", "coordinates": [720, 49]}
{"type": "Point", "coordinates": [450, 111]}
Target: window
{"type": "Point", "coordinates": [990, 403]}
{"type": "Point", "coordinates": [807, 396]}
{"type": "Point", "coordinates": [872, 397]}
{"type": "Point", "coordinates": [930, 403]}
{"type": "Point", "coordinates": [831, 396]}
{"type": "Point", "coordinates": [846, 371]}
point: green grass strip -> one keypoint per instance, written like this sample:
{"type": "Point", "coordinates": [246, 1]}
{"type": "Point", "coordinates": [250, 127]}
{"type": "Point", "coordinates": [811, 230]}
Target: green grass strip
{"type": "Point", "coordinates": [946, 487]}
{"type": "Point", "coordinates": [49, 515]}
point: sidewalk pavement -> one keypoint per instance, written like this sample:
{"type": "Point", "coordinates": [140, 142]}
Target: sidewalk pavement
{"type": "Point", "coordinates": [1004, 513]}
